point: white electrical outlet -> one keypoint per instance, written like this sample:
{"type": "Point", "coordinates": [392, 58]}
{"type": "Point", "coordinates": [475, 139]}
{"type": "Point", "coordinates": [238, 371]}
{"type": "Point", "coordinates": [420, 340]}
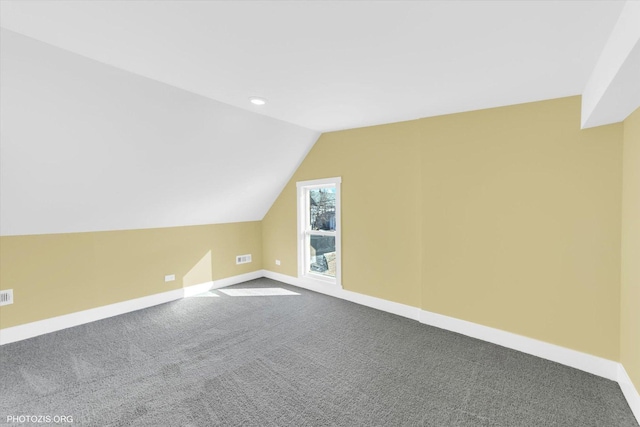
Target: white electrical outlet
{"type": "Point", "coordinates": [6, 297]}
{"type": "Point", "coordinates": [243, 259]}
{"type": "Point", "coordinates": [277, 262]}
{"type": "Point", "coordinates": [170, 278]}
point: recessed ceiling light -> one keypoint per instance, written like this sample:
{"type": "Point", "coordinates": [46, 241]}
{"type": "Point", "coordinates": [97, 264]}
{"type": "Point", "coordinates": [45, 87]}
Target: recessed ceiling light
{"type": "Point", "coordinates": [257, 101]}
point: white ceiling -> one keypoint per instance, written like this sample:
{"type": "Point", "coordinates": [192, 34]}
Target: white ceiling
{"type": "Point", "coordinates": [89, 147]}
{"type": "Point", "coordinates": [333, 65]}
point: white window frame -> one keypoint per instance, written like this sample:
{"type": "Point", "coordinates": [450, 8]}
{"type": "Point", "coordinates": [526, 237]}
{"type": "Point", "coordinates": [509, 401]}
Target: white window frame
{"type": "Point", "coordinates": [304, 233]}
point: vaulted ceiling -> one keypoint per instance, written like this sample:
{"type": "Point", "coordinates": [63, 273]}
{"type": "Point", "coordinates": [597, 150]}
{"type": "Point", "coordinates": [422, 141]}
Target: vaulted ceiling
{"type": "Point", "coordinates": [328, 65]}
{"type": "Point", "coordinates": [136, 114]}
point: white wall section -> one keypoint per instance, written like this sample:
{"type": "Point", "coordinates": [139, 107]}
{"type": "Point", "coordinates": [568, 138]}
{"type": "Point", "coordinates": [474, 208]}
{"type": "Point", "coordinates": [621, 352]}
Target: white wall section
{"type": "Point", "coordinates": [613, 89]}
{"type": "Point", "coordinates": [89, 147]}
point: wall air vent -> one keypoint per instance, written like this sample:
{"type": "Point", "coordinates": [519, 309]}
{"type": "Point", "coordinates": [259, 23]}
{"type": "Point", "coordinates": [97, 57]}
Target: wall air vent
{"type": "Point", "coordinates": [243, 259]}
{"type": "Point", "coordinates": [6, 297]}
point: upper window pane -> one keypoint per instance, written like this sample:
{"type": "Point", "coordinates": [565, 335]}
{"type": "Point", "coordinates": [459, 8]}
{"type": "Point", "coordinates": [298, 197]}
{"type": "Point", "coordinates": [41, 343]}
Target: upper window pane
{"type": "Point", "coordinates": [322, 208]}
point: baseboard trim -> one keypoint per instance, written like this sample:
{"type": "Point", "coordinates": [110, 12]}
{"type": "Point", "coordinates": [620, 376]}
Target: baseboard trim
{"type": "Point", "coordinates": [234, 280]}
{"type": "Point", "coordinates": [565, 356]}
{"type": "Point", "coordinates": [41, 327]}
{"type": "Point", "coordinates": [336, 291]}
{"type": "Point", "coordinates": [629, 390]}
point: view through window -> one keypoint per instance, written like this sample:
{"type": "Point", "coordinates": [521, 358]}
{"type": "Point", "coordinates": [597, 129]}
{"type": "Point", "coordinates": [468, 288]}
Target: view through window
{"type": "Point", "coordinates": [318, 208]}
{"type": "Point", "coordinates": [322, 229]}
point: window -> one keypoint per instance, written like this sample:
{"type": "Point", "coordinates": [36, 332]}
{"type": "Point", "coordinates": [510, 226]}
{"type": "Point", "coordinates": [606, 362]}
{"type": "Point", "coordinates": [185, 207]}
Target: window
{"type": "Point", "coordinates": [319, 230]}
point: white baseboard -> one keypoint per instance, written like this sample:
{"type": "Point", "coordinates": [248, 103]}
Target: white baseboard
{"type": "Point", "coordinates": [41, 327]}
{"type": "Point", "coordinates": [585, 362]}
{"type": "Point", "coordinates": [336, 291]}
{"type": "Point", "coordinates": [629, 390]}
{"type": "Point", "coordinates": [234, 280]}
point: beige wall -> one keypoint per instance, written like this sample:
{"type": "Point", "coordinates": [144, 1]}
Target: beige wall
{"type": "Point", "coordinates": [630, 290]}
{"type": "Point", "coordinates": [380, 170]}
{"type": "Point", "coordinates": [521, 223]}
{"type": "Point", "coordinates": [508, 217]}
{"type": "Point", "coordinates": [58, 274]}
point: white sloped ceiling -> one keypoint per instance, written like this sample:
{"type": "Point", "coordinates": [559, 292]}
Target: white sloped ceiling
{"type": "Point", "coordinates": [87, 147]}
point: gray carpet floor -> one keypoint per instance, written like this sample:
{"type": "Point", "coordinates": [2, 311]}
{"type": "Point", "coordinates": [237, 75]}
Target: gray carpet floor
{"type": "Point", "coordinates": [291, 360]}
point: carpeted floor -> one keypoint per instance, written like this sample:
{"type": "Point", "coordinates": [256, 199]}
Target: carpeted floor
{"type": "Point", "coordinates": [291, 360]}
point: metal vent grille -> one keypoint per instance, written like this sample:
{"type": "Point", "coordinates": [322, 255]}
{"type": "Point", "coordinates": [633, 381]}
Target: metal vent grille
{"type": "Point", "coordinates": [6, 297]}
{"type": "Point", "coordinates": [243, 259]}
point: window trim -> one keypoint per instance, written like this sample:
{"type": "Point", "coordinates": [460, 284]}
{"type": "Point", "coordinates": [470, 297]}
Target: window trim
{"type": "Point", "coordinates": [302, 235]}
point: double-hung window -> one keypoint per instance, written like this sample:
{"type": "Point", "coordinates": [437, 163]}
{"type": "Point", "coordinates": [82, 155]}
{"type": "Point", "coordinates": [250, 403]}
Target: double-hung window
{"type": "Point", "coordinates": [319, 230]}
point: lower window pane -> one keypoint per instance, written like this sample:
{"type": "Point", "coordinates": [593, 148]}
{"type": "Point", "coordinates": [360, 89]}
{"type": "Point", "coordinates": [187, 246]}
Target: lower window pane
{"type": "Point", "coordinates": [322, 255]}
